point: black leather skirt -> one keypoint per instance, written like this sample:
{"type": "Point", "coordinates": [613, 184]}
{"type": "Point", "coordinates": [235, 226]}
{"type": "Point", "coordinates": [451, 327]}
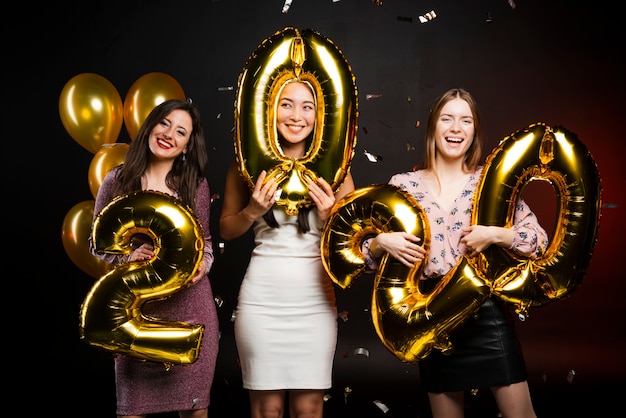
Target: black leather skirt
{"type": "Point", "coordinates": [486, 352]}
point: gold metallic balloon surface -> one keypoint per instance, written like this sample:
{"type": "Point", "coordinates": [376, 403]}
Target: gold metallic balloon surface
{"type": "Point", "coordinates": [91, 111]}
{"type": "Point", "coordinates": [147, 92]}
{"type": "Point", "coordinates": [540, 152]}
{"type": "Point", "coordinates": [408, 322]}
{"type": "Point", "coordinates": [75, 232]}
{"type": "Point", "coordinates": [111, 316]}
{"type": "Point", "coordinates": [109, 156]}
{"type": "Point", "coordinates": [290, 55]}
{"type": "Point", "coordinates": [411, 323]}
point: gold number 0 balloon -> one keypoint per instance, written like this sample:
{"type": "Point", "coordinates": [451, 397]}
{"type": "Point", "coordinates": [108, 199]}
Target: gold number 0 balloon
{"type": "Point", "coordinates": [408, 322]}
{"type": "Point", "coordinates": [286, 56]}
{"type": "Point", "coordinates": [111, 315]}
{"type": "Point", "coordinates": [555, 155]}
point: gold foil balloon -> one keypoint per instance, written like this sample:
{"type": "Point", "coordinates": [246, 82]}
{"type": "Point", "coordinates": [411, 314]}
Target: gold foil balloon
{"type": "Point", "coordinates": [286, 56]}
{"type": "Point", "coordinates": [91, 111]}
{"type": "Point", "coordinates": [109, 156]}
{"type": "Point", "coordinates": [540, 152]}
{"type": "Point", "coordinates": [408, 322]}
{"type": "Point", "coordinates": [145, 94]}
{"type": "Point", "coordinates": [111, 316]}
{"type": "Point", "coordinates": [75, 232]}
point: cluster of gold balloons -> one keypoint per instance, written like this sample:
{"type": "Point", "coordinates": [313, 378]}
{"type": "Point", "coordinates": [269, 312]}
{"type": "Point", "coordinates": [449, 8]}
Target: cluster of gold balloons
{"type": "Point", "coordinates": [411, 323]}
{"type": "Point", "coordinates": [92, 113]}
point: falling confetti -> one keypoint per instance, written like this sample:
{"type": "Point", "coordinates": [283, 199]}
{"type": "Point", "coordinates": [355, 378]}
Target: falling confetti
{"type": "Point", "coordinates": [417, 124]}
{"type": "Point", "coordinates": [371, 157]}
{"type": "Point", "coordinates": [218, 301]}
{"type": "Point", "coordinates": [570, 376]}
{"type": "Point", "coordinates": [409, 147]}
{"type": "Point", "coordinates": [372, 96]}
{"type": "Point", "coordinates": [381, 406]}
{"type": "Point", "coordinates": [427, 17]}
{"type": "Point", "coordinates": [360, 351]}
{"type": "Point", "coordinates": [225, 88]}
{"type": "Point", "coordinates": [286, 6]}
{"type": "Point", "coordinates": [346, 391]}
{"type": "Point", "coordinates": [511, 3]}
{"type": "Point", "coordinates": [344, 316]}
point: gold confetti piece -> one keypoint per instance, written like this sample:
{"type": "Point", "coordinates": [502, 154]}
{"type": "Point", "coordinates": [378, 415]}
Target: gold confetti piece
{"type": "Point", "coordinates": [409, 147]}
{"type": "Point", "coordinates": [346, 391]}
{"type": "Point", "coordinates": [218, 301]}
{"type": "Point", "coordinates": [417, 124]}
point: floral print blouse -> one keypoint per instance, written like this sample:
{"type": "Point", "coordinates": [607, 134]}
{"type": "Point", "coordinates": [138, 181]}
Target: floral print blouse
{"type": "Point", "coordinates": [446, 248]}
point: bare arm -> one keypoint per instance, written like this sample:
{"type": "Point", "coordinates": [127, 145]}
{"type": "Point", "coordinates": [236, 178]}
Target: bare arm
{"type": "Point", "coordinates": [241, 207]}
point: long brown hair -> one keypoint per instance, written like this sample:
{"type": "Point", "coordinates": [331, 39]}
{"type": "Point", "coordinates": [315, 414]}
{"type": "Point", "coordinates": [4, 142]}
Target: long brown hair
{"type": "Point", "coordinates": [474, 153]}
{"type": "Point", "coordinates": [188, 169]}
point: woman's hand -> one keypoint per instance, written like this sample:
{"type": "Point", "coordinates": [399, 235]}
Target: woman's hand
{"type": "Point", "coordinates": [200, 274]}
{"type": "Point", "coordinates": [402, 246]}
{"type": "Point", "coordinates": [263, 196]}
{"type": "Point", "coordinates": [478, 237]}
{"type": "Point", "coordinates": [323, 196]}
{"type": "Point", "coordinates": [144, 252]}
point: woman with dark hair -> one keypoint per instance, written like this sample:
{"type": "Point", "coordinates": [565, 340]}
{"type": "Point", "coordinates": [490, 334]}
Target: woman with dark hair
{"type": "Point", "coordinates": [169, 156]}
{"type": "Point", "coordinates": [286, 317]}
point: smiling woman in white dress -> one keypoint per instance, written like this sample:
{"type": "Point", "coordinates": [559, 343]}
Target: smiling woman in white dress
{"type": "Point", "coordinates": [286, 317]}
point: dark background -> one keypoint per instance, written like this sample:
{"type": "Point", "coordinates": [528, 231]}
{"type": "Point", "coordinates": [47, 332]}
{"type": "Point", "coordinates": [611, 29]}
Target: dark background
{"type": "Point", "coordinates": [556, 62]}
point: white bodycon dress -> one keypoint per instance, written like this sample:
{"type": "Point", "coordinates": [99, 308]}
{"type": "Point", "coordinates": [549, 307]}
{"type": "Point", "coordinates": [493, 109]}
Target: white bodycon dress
{"type": "Point", "coordinates": [286, 317]}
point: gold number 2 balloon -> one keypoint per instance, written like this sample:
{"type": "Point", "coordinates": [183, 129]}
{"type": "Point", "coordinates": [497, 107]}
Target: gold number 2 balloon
{"type": "Point", "coordinates": [410, 323]}
{"type": "Point", "coordinates": [111, 316]}
{"type": "Point", "coordinates": [286, 56]}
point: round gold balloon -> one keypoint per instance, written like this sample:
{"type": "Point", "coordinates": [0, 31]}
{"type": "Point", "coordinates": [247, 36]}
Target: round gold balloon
{"type": "Point", "coordinates": [110, 315]}
{"type": "Point", "coordinates": [540, 152]}
{"type": "Point", "coordinates": [91, 111]}
{"type": "Point", "coordinates": [109, 156]}
{"type": "Point", "coordinates": [408, 322]}
{"type": "Point", "coordinates": [147, 92]}
{"type": "Point", "coordinates": [290, 55]}
{"type": "Point", "coordinates": [75, 232]}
